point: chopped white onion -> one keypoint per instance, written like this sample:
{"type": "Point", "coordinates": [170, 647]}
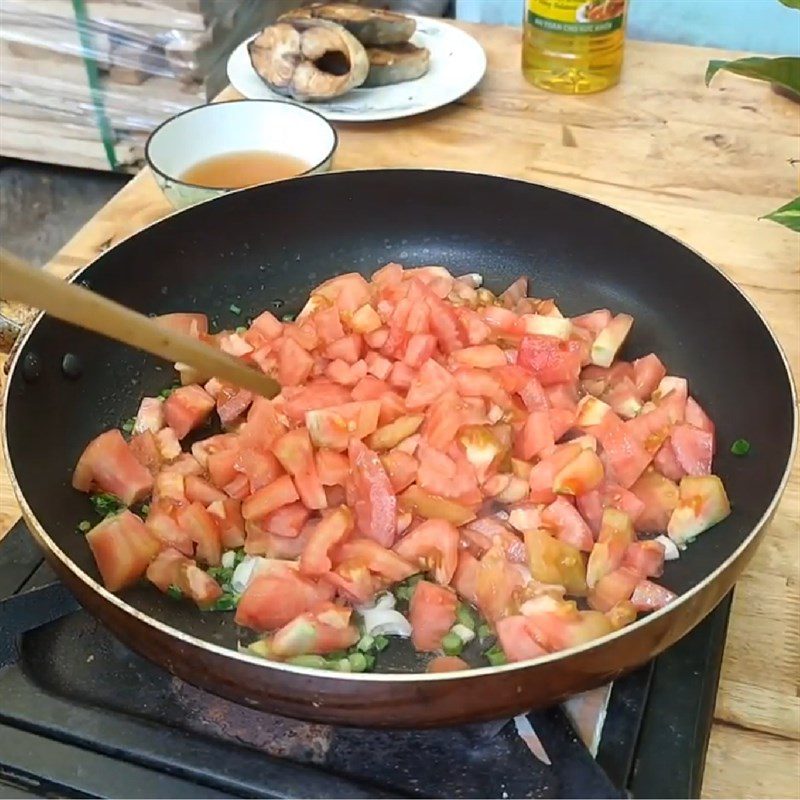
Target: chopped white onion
{"type": "Point", "coordinates": [463, 632]}
{"type": "Point", "coordinates": [385, 622]}
{"type": "Point", "coordinates": [228, 559]}
{"type": "Point", "coordinates": [671, 551]}
{"type": "Point", "coordinates": [243, 574]}
{"type": "Point", "coordinates": [474, 279]}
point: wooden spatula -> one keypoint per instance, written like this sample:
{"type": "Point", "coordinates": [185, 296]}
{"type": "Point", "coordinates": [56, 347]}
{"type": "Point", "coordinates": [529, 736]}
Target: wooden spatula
{"type": "Point", "coordinates": [80, 306]}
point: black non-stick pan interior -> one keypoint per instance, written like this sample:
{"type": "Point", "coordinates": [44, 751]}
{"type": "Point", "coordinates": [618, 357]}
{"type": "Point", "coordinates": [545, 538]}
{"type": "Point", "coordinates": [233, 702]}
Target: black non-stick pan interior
{"type": "Point", "coordinates": [267, 247]}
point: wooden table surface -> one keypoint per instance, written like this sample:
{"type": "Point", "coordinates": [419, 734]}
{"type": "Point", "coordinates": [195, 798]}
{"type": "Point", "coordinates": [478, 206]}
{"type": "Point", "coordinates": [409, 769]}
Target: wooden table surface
{"type": "Point", "coordinates": [702, 164]}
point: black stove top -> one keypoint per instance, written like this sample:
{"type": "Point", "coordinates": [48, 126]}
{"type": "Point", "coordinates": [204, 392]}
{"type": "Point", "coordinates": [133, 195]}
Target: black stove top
{"type": "Point", "coordinates": [83, 716]}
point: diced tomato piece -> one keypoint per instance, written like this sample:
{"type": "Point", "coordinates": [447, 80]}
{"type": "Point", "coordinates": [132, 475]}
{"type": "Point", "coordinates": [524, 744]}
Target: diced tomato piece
{"type": "Point", "coordinates": [287, 520]}
{"type": "Point", "coordinates": [556, 562]}
{"type": "Point", "coordinates": [544, 473]}
{"type": "Point", "coordinates": [651, 428]}
{"type": "Point", "coordinates": [108, 464]}
{"type": "Point", "coordinates": [401, 469]}
{"type": "Point", "coordinates": [296, 455]}
{"type": "Point", "coordinates": [365, 320]}
{"type": "Point", "coordinates": [537, 435]}
{"type": "Point", "coordinates": [377, 338]}
{"type": "Point", "coordinates": [267, 325]}
{"type": "Point", "coordinates": [432, 612]}
{"type": "Point", "coordinates": [213, 444]}
{"type": "Point", "coordinates": [499, 319]}
{"type": "Point", "coordinates": [513, 380]}
{"type": "Point", "coordinates": [647, 374]}
{"type": "Point", "coordinates": [334, 427]}
{"type": "Point", "coordinates": [649, 596]}
{"type": "Point", "coordinates": [122, 547]}
{"type": "Point", "coordinates": [471, 382]}
{"type": "Point", "coordinates": [565, 627]}
{"type": "Point", "coordinates": [200, 490]}
{"type": "Point", "coordinates": [260, 466]}
{"type": "Point", "coordinates": [475, 330]}
{"type": "Point", "coordinates": [187, 408]}
{"type": "Point", "coordinates": [330, 530]}
{"type": "Point", "coordinates": [203, 531]}
{"type": "Point", "coordinates": [348, 292]}
{"type": "Point", "coordinates": [279, 493]}
{"type": "Point", "coordinates": [627, 457]}
{"type": "Point", "coordinates": [550, 359]}
{"type": "Point", "coordinates": [444, 325]}
{"type": "Point", "coordinates": [466, 576]}
{"type": "Point", "coordinates": [613, 588]}
{"type": "Point", "coordinates": [328, 325]}
{"type": "Point", "coordinates": [442, 475]}
{"type": "Point", "coordinates": [420, 348]}
{"type": "Point", "coordinates": [238, 488]}
{"type": "Point", "coordinates": [694, 449]}
{"type": "Point", "coordinates": [646, 558]}
{"type": "Point", "coordinates": [446, 664]}
{"type": "Point", "coordinates": [326, 629]}
{"type": "Point", "coordinates": [144, 447]}
{"type": "Point", "coordinates": [171, 568]}
{"type": "Point", "coordinates": [228, 516]}
{"type": "Point", "coordinates": [594, 321]}
{"type": "Point", "coordinates": [433, 546]}
{"type": "Point", "coordinates": [150, 416]}
{"type": "Point", "coordinates": [370, 388]}
{"type": "Point", "coordinates": [190, 324]}
{"type": "Point", "coordinates": [697, 417]}
{"type": "Point", "coordinates": [496, 583]}
{"type": "Point", "coordinates": [185, 464]}
{"type": "Point", "coordinates": [391, 435]}
{"type": "Point", "coordinates": [582, 474]}
{"type": "Point", "coordinates": [666, 462]}
{"type": "Point", "coordinates": [659, 496]}
{"type": "Point", "coordinates": [332, 467]}
{"type": "Point", "coordinates": [169, 487]}
{"type": "Point", "coordinates": [347, 348]}
{"type": "Point", "coordinates": [702, 503]}
{"type": "Point", "coordinates": [321, 393]}
{"type": "Point", "coordinates": [272, 600]}
{"type": "Point", "coordinates": [517, 640]}
{"type": "Point", "coordinates": [162, 524]}
{"type": "Point", "coordinates": [261, 542]}
{"type": "Point", "coordinates": [569, 526]}
{"type": "Point", "coordinates": [483, 356]}
{"type": "Point", "coordinates": [294, 364]}
{"type": "Point", "coordinates": [375, 505]}
{"type": "Point", "coordinates": [303, 333]}
{"type": "Point", "coordinates": [401, 376]}
{"type": "Point", "coordinates": [431, 382]}
{"type": "Point", "coordinates": [168, 444]}
{"type": "Point", "coordinates": [222, 467]}
{"type": "Point", "coordinates": [377, 365]}
{"type": "Point", "coordinates": [379, 560]}
{"type": "Point", "coordinates": [232, 402]}
{"type": "Point", "coordinates": [346, 374]}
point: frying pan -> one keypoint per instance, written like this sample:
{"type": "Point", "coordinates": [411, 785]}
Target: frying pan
{"type": "Point", "coordinates": [266, 247]}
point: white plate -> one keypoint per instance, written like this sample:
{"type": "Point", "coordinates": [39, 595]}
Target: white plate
{"type": "Point", "coordinates": [457, 64]}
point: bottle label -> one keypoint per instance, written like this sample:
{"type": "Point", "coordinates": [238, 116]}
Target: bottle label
{"type": "Point", "coordinates": [577, 17]}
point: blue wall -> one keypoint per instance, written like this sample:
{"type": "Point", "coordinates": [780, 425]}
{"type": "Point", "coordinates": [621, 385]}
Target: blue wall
{"type": "Point", "coordinates": [761, 26]}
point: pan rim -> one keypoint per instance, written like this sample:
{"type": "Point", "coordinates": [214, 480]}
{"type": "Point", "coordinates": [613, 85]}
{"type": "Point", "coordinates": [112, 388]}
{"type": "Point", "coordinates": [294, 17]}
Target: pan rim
{"type": "Point", "coordinates": [408, 677]}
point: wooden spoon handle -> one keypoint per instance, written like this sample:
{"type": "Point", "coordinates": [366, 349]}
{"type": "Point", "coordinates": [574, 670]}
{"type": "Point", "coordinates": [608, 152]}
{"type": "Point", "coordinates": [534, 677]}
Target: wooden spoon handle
{"type": "Point", "coordinates": [80, 306]}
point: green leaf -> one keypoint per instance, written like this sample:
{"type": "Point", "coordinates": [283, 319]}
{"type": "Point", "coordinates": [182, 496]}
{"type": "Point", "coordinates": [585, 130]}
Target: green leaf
{"type": "Point", "coordinates": [791, 4]}
{"type": "Point", "coordinates": [784, 71]}
{"type": "Point", "coordinates": [788, 215]}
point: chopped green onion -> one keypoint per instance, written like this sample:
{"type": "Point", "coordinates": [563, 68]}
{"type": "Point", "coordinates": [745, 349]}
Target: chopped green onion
{"type": "Point", "coordinates": [145, 509]}
{"type": "Point", "coordinates": [106, 504]}
{"type": "Point", "coordinates": [225, 603]}
{"type": "Point", "coordinates": [84, 526]}
{"type": "Point", "coordinates": [234, 309]}
{"type": "Point", "coordinates": [165, 393]}
{"type": "Point", "coordinates": [337, 655]}
{"type": "Point", "coordinates": [741, 447]}
{"type": "Point", "coordinates": [415, 579]}
{"type": "Point", "coordinates": [463, 632]}
{"type": "Point", "coordinates": [381, 643]}
{"type": "Point", "coordinates": [403, 592]}
{"type": "Point", "coordinates": [358, 663]}
{"type": "Point", "coordinates": [238, 556]}
{"type": "Point", "coordinates": [340, 665]}
{"type": "Point", "coordinates": [484, 632]}
{"type": "Point", "coordinates": [370, 662]}
{"type": "Point", "coordinates": [495, 656]}
{"type": "Point", "coordinates": [452, 644]}
{"type": "Point", "coordinates": [241, 329]}
{"type": "Point", "coordinates": [366, 643]}
{"type": "Point", "coordinates": [287, 318]}
{"type": "Point", "coordinates": [174, 592]}
{"type": "Point", "coordinates": [464, 616]}
{"type": "Point", "coordinates": [127, 426]}
{"type": "Point", "coordinates": [314, 662]}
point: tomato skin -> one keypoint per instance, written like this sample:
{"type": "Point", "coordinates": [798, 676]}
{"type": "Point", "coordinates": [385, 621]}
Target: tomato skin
{"type": "Point", "coordinates": [335, 526]}
{"type": "Point", "coordinates": [517, 640]}
{"type": "Point", "coordinates": [273, 600]}
{"type": "Point", "coordinates": [108, 464]}
{"type": "Point", "coordinates": [432, 612]}
{"type": "Point", "coordinates": [375, 506]}
{"type": "Point", "coordinates": [432, 546]}
{"type": "Point", "coordinates": [187, 408]}
{"type": "Point", "coordinates": [122, 548]}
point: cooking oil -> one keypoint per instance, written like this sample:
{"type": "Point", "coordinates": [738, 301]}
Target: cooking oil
{"type": "Point", "coordinates": [573, 46]}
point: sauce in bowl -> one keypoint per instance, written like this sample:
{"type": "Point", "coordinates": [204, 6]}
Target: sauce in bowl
{"type": "Point", "coordinates": [245, 168]}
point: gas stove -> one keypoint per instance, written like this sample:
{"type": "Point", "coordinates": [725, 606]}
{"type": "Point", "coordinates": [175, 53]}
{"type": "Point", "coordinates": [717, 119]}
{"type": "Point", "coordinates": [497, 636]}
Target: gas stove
{"type": "Point", "coordinates": [83, 716]}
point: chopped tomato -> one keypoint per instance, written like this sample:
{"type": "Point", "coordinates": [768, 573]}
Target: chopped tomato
{"type": "Point", "coordinates": [375, 505]}
{"type": "Point", "coordinates": [466, 576]}
{"type": "Point", "coordinates": [272, 600]}
{"type": "Point", "coordinates": [200, 490]}
{"type": "Point", "coordinates": [552, 561]}
{"type": "Point", "coordinates": [347, 348]}
{"type": "Point", "coordinates": [332, 467]}
{"type": "Point", "coordinates": [122, 547]}
{"type": "Point", "coordinates": [287, 520]}
{"type": "Point", "coordinates": [203, 531]}
{"type": "Point", "coordinates": [401, 469]}
{"type": "Point", "coordinates": [567, 524]}
{"type": "Point", "coordinates": [330, 530]}
{"type": "Point", "coordinates": [377, 365]}
{"type": "Point", "coordinates": [187, 408]}
{"type": "Point", "coordinates": [432, 612]}
{"type": "Point", "coordinates": [694, 449]}
{"type": "Point", "coordinates": [483, 356]}
{"type": "Point", "coordinates": [261, 542]}
{"type": "Point", "coordinates": [517, 639]}
{"type": "Point", "coordinates": [433, 546]}
{"type": "Point", "coordinates": [168, 445]}
{"type": "Point", "coordinates": [294, 364]}
{"type": "Point", "coordinates": [446, 664]}
{"type": "Point", "coordinates": [580, 475]}
{"type": "Point", "coordinates": [495, 583]}
{"type": "Point", "coordinates": [333, 427]}
{"type": "Point", "coordinates": [185, 464]}
{"type": "Point", "coordinates": [169, 487]}
{"type": "Point", "coordinates": [368, 553]}
{"type": "Point", "coordinates": [296, 455]}
{"type": "Point", "coordinates": [228, 516]}
{"type": "Point", "coordinates": [150, 416]}
{"type": "Point", "coordinates": [544, 472]}
{"type": "Point", "coordinates": [144, 447]}
{"type": "Point", "coordinates": [108, 464]}
{"type": "Point", "coordinates": [697, 417]}
{"type": "Point", "coordinates": [537, 435]}
{"type": "Point", "coordinates": [550, 359]}
{"type": "Point", "coordinates": [163, 525]}
{"type": "Point", "coordinates": [320, 393]}
{"type": "Point", "coordinates": [649, 596]}
{"type": "Point", "coordinates": [391, 435]}
{"type": "Point", "coordinates": [445, 476]}
{"type": "Point", "coordinates": [648, 372]}
{"type": "Point", "coordinates": [221, 467]}
{"type": "Point", "coordinates": [666, 462]}
{"type": "Point", "coordinates": [191, 324]}
{"type": "Point", "coordinates": [659, 496]}
{"type": "Point", "coordinates": [627, 457]}
{"type": "Point", "coordinates": [431, 382]}
{"type": "Point", "coordinates": [171, 569]}
{"type": "Point", "coordinates": [325, 629]}
{"type": "Point", "coordinates": [232, 402]}
{"type": "Point", "coordinates": [613, 588]}
{"type": "Point", "coordinates": [279, 493]}
{"type": "Point", "coordinates": [646, 558]}
{"type": "Point", "coordinates": [267, 325]}
{"type": "Point", "coordinates": [328, 324]}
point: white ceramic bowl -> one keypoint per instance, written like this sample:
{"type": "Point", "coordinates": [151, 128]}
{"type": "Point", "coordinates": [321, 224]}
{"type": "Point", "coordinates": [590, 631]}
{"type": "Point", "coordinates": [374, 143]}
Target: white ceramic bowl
{"type": "Point", "coordinates": [225, 128]}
